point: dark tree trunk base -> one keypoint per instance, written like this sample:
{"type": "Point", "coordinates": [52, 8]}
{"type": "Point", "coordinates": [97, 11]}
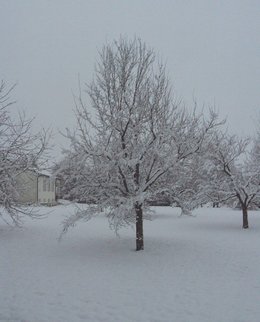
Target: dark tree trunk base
{"type": "Point", "coordinates": [245, 218]}
{"type": "Point", "coordinates": [139, 228]}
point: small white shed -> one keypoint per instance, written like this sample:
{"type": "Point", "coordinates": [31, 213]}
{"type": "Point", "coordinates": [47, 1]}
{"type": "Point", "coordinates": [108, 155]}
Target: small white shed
{"type": "Point", "coordinates": [37, 187]}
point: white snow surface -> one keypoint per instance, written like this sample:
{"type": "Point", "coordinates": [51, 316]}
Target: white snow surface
{"type": "Point", "coordinates": [200, 269]}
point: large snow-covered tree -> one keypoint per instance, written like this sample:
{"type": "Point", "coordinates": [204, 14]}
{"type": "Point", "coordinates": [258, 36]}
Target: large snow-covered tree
{"type": "Point", "coordinates": [20, 150]}
{"type": "Point", "coordinates": [133, 137]}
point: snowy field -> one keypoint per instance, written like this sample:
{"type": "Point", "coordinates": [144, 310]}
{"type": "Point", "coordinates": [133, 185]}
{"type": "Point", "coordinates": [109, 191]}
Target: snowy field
{"type": "Point", "coordinates": [202, 269]}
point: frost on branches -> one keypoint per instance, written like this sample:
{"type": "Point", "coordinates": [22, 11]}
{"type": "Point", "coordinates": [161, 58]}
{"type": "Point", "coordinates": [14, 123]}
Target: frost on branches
{"type": "Point", "coordinates": [183, 186]}
{"type": "Point", "coordinates": [20, 150]}
{"type": "Point", "coordinates": [133, 137]}
{"type": "Point", "coordinates": [234, 172]}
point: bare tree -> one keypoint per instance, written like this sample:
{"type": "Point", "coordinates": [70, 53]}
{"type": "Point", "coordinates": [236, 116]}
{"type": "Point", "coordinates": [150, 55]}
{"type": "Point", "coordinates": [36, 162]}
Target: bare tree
{"type": "Point", "coordinates": [20, 150]}
{"type": "Point", "coordinates": [184, 183]}
{"type": "Point", "coordinates": [254, 161]}
{"type": "Point", "coordinates": [74, 172]}
{"type": "Point", "coordinates": [135, 136]}
{"type": "Point", "coordinates": [233, 174]}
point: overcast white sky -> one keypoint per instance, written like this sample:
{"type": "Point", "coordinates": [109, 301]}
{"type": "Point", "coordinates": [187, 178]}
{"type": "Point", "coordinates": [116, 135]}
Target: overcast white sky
{"type": "Point", "coordinates": [212, 50]}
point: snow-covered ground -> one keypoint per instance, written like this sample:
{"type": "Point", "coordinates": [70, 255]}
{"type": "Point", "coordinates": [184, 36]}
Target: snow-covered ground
{"type": "Point", "coordinates": [202, 269]}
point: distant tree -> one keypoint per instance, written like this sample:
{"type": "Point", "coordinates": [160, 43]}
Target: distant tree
{"type": "Point", "coordinates": [20, 150]}
{"type": "Point", "coordinates": [74, 173]}
{"type": "Point", "coordinates": [253, 166]}
{"type": "Point", "coordinates": [136, 134]}
{"type": "Point", "coordinates": [233, 173]}
{"type": "Point", "coordinates": [183, 186]}
{"type": "Point", "coordinates": [254, 160]}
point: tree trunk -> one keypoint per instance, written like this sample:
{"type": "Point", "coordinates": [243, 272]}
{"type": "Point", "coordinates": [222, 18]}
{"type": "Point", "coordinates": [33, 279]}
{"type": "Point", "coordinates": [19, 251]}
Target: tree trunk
{"type": "Point", "coordinates": [185, 212]}
{"type": "Point", "coordinates": [245, 217]}
{"type": "Point", "coordinates": [139, 227]}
